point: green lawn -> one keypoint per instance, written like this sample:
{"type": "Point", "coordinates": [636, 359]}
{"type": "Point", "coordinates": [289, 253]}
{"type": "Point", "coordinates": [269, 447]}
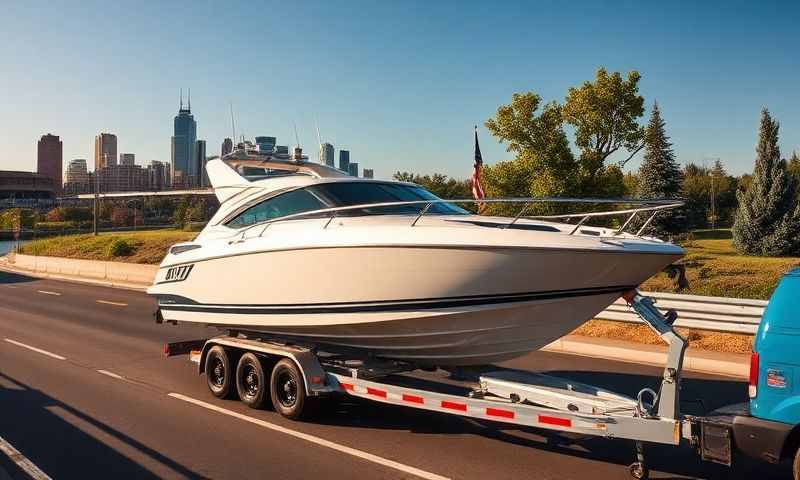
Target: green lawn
{"type": "Point", "coordinates": [714, 268]}
{"type": "Point", "coordinates": [133, 247]}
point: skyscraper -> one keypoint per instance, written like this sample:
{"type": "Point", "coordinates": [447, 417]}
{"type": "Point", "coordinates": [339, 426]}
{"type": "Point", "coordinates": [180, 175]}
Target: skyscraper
{"type": "Point", "coordinates": [105, 150]}
{"type": "Point", "coordinates": [352, 169]}
{"type": "Point", "coordinates": [49, 161]}
{"type": "Point", "coordinates": [184, 145]}
{"type": "Point", "coordinates": [326, 154]}
{"type": "Point", "coordinates": [344, 160]}
{"type": "Point", "coordinates": [158, 175]}
{"type": "Point", "coordinates": [368, 173]}
{"type": "Point", "coordinates": [127, 159]}
{"type": "Point", "coordinates": [77, 177]}
{"type": "Point", "coordinates": [201, 159]}
{"type": "Point", "coordinates": [227, 147]}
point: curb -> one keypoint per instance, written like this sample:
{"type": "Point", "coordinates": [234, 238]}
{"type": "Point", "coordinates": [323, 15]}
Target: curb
{"type": "Point", "coordinates": [5, 266]}
{"type": "Point", "coordinates": [734, 365]}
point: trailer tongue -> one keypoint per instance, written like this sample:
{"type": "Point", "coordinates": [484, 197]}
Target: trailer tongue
{"type": "Point", "coordinates": [297, 377]}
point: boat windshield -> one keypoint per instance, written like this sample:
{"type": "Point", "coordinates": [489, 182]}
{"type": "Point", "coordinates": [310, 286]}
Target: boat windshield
{"type": "Point", "coordinates": [344, 194]}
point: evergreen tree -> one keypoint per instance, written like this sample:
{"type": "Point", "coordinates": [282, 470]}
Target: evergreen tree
{"type": "Point", "coordinates": [767, 221]}
{"type": "Point", "coordinates": [660, 176]}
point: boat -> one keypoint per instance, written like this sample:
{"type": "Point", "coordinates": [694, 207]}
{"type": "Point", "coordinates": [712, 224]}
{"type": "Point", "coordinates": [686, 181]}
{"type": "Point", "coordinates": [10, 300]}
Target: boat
{"type": "Point", "coordinates": [305, 253]}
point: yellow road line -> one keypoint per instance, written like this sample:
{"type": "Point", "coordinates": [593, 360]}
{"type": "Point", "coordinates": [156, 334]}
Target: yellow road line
{"type": "Point", "coordinates": [108, 302]}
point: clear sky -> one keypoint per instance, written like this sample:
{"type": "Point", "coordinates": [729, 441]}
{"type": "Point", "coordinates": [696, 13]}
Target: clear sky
{"type": "Point", "coordinates": [400, 84]}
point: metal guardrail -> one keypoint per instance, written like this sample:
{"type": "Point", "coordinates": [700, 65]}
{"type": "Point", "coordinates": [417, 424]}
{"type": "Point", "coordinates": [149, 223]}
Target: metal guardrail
{"type": "Point", "coordinates": [720, 314]}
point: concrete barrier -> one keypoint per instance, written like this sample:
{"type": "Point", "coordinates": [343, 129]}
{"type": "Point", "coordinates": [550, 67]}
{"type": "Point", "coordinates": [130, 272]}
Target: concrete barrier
{"type": "Point", "coordinates": [113, 273]}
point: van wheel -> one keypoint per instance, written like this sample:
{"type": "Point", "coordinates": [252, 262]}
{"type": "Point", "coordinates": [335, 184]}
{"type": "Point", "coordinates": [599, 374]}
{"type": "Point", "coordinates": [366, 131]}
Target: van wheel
{"type": "Point", "coordinates": [251, 383]}
{"type": "Point", "coordinates": [288, 391]}
{"type": "Point", "coordinates": [218, 372]}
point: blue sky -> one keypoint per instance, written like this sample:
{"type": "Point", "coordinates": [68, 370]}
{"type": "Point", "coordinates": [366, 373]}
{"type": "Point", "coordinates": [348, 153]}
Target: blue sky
{"type": "Point", "coordinates": [398, 83]}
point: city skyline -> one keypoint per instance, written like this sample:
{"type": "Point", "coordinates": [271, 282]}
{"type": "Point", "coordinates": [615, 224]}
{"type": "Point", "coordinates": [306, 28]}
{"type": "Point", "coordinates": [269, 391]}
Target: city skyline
{"type": "Point", "coordinates": [390, 76]}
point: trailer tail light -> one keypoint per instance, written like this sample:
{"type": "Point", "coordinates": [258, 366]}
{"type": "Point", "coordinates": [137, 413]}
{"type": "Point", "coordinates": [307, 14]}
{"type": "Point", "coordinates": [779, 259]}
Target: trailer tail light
{"type": "Point", "coordinates": [752, 388]}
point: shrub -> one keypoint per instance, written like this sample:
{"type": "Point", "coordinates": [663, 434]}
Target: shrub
{"type": "Point", "coordinates": [119, 248]}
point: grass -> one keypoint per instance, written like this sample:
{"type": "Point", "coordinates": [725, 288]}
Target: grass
{"type": "Point", "coordinates": [133, 247]}
{"type": "Point", "coordinates": [713, 267]}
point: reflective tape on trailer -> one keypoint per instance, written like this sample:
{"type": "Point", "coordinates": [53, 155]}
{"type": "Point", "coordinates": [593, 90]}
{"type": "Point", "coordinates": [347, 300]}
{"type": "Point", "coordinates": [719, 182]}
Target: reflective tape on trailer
{"type": "Point", "coordinates": [499, 410]}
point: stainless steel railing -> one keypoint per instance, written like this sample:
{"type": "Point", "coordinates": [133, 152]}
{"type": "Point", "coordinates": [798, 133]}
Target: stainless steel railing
{"type": "Point", "coordinates": [653, 206]}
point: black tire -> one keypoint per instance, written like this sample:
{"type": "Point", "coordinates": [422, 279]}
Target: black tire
{"type": "Point", "coordinates": [219, 374]}
{"type": "Point", "coordinates": [288, 391]}
{"type": "Point", "coordinates": [251, 382]}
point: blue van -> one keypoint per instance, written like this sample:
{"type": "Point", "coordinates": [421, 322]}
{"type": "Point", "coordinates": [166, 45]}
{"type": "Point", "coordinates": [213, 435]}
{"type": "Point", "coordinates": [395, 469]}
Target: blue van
{"type": "Point", "coordinates": [769, 428]}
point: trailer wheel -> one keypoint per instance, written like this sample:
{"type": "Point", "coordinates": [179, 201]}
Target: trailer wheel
{"type": "Point", "coordinates": [796, 465]}
{"type": "Point", "coordinates": [218, 372]}
{"type": "Point", "coordinates": [251, 383]}
{"type": "Point", "coordinates": [288, 391]}
{"type": "Point", "coordinates": [639, 471]}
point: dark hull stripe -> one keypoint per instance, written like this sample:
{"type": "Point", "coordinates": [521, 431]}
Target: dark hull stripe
{"type": "Point", "coordinates": [393, 305]}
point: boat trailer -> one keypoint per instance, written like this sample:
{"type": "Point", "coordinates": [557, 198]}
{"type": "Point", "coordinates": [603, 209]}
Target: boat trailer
{"type": "Point", "coordinates": [504, 395]}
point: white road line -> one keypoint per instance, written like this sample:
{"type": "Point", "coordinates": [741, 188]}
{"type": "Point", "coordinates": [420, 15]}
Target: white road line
{"type": "Point", "coordinates": [48, 292]}
{"type": "Point", "coordinates": [37, 350]}
{"type": "Point", "coordinates": [11, 286]}
{"type": "Point", "coordinates": [111, 374]}
{"type": "Point", "coordinates": [22, 462]}
{"type": "Point", "coordinates": [316, 440]}
{"type": "Point", "coordinates": [109, 302]}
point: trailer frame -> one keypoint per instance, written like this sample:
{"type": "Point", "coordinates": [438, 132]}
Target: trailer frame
{"type": "Point", "coordinates": [510, 396]}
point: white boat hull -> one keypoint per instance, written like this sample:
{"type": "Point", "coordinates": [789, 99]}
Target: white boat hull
{"type": "Point", "coordinates": [431, 305]}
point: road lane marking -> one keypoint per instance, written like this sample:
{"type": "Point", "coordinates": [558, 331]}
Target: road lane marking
{"type": "Point", "coordinates": [111, 374]}
{"type": "Point", "coordinates": [22, 462]}
{"type": "Point", "coordinates": [48, 292]}
{"type": "Point", "coordinates": [316, 440]}
{"type": "Point", "coordinates": [37, 350]}
{"type": "Point", "coordinates": [109, 302]}
{"type": "Point", "coordinates": [11, 286]}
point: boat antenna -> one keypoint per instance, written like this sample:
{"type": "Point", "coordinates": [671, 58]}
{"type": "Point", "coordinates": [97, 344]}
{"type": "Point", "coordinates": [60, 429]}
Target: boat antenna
{"type": "Point", "coordinates": [233, 123]}
{"type": "Point", "coordinates": [316, 124]}
{"type": "Point", "coordinates": [296, 138]}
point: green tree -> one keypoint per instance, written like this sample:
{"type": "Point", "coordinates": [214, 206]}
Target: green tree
{"type": "Point", "coordinates": [659, 175]}
{"type": "Point", "coordinates": [440, 185]}
{"type": "Point", "coordinates": [536, 135]}
{"type": "Point", "coordinates": [605, 116]}
{"type": "Point", "coordinates": [794, 167]}
{"type": "Point", "coordinates": [767, 220]}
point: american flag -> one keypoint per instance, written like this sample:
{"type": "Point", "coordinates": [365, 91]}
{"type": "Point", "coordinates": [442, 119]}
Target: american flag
{"type": "Point", "coordinates": [477, 188]}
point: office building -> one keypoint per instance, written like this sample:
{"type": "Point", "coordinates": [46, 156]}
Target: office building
{"type": "Point", "coordinates": [121, 178]}
{"type": "Point", "coordinates": [344, 160]}
{"type": "Point", "coordinates": [201, 159]}
{"type": "Point", "coordinates": [127, 159]}
{"type": "Point", "coordinates": [368, 173]}
{"type": "Point", "coordinates": [326, 154]}
{"type": "Point", "coordinates": [227, 147]}
{"type": "Point", "coordinates": [183, 164]}
{"type": "Point", "coordinates": [77, 179]}
{"type": "Point", "coordinates": [25, 187]}
{"type": "Point", "coordinates": [352, 169]}
{"type": "Point", "coordinates": [158, 177]}
{"type": "Point", "coordinates": [49, 160]}
{"type": "Point", "coordinates": [105, 150]}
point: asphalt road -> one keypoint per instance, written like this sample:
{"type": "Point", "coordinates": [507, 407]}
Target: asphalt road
{"type": "Point", "coordinates": [93, 402]}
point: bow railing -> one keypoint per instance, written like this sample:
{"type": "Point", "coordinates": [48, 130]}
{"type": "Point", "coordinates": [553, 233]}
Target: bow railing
{"type": "Point", "coordinates": [653, 207]}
